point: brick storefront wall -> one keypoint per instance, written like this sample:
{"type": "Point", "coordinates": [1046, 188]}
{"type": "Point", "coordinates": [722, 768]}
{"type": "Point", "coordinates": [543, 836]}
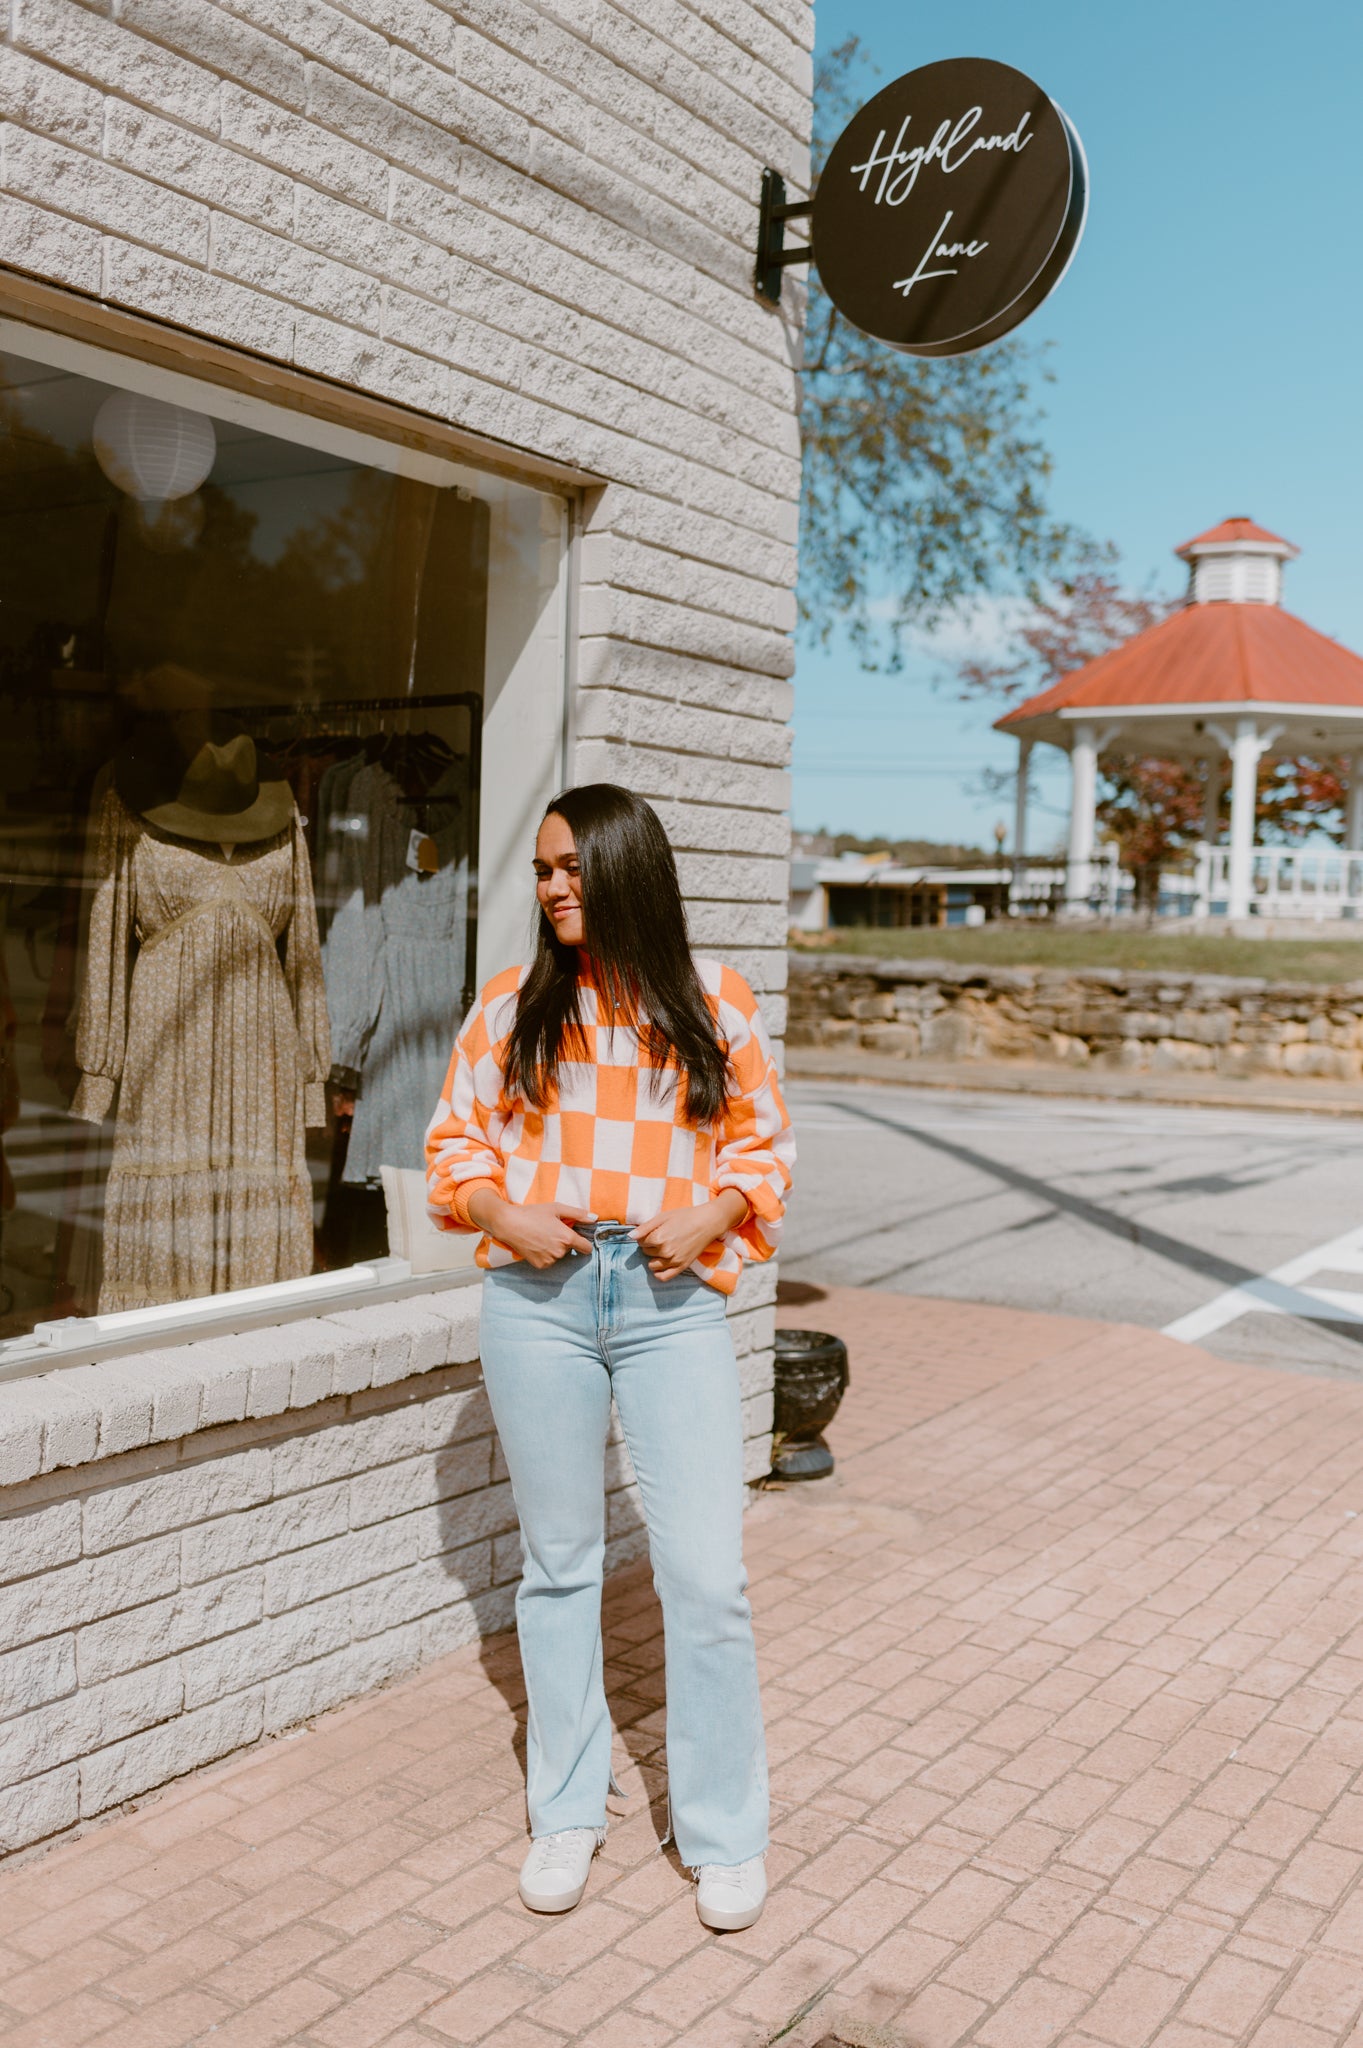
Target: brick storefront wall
{"type": "Point", "coordinates": [534, 222]}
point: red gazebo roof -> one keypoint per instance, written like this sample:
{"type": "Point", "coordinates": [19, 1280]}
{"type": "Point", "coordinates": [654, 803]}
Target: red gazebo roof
{"type": "Point", "coordinates": [1242, 531]}
{"type": "Point", "coordinates": [1211, 654]}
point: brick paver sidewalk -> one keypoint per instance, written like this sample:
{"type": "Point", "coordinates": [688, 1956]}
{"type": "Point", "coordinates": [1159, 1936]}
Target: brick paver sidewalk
{"type": "Point", "coordinates": [1063, 1677]}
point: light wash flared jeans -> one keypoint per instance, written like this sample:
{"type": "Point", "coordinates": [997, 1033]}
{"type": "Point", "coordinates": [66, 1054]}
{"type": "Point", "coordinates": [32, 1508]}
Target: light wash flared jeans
{"type": "Point", "coordinates": [556, 1345]}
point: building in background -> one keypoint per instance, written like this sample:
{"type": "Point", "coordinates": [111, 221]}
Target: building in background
{"type": "Point", "coordinates": [874, 891]}
{"type": "Point", "coordinates": [389, 435]}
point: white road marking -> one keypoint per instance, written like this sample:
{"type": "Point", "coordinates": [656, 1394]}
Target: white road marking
{"type": "Point", "coordinates": [1280, 1292]}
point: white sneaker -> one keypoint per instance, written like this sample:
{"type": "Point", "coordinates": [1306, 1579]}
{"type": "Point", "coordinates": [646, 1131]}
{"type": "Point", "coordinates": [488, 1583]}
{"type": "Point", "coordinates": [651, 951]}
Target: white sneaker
{"type": "Point", "coordinates": [730, 1896]}
{"type": "Point", "coordinates": [554, 1874]}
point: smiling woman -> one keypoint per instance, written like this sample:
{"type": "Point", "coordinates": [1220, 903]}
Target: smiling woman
{"type": "Point", "coordinates": [628, 1082]}
{"type": "Point", "coordinates": [613, 1125]}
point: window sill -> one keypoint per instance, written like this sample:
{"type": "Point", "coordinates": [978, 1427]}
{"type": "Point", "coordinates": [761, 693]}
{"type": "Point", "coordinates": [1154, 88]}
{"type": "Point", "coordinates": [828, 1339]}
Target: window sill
{"type": "Point", "coordinates": [86, 1340]}
{"type": "Point", "coordinates": [178, 1392]}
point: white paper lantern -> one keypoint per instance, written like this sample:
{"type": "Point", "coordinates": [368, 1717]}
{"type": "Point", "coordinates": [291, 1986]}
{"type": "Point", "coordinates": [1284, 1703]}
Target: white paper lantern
{"type": "Point", "coordinates": [153, 450]}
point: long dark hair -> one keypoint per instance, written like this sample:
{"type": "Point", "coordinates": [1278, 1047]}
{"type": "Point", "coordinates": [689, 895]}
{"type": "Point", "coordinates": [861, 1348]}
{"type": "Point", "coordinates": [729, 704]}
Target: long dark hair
{"type": "Point", "coordinates": [635, 929]}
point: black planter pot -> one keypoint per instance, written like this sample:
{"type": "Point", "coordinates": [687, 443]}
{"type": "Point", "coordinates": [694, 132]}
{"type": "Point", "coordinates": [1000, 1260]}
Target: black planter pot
{"type": "Point", "coordinates": [811, 1379]}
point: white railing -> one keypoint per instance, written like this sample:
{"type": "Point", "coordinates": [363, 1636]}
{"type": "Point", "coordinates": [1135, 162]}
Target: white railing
{"type": "Point", "coordinates": [1285, 881]}
{"type": "Point", "coordinates": [1042, 887]}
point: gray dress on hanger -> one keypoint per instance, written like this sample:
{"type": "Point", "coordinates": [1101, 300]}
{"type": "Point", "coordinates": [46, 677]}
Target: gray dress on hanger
{"type": "Point", "coordinates": [394, 960]}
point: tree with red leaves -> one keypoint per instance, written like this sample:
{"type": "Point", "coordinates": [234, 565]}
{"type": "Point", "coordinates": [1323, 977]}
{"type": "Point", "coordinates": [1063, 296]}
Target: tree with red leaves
{"type": "Point", "coordinates": [1086, 613]}
{"type": "Point", "coordinates": [1300, 796]}
{"type": "Point", "coordinates": [1152, 809]}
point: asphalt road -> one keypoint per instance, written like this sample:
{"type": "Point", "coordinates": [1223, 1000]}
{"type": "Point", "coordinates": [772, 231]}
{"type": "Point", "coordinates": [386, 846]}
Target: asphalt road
{"type": "Point", "coordinates": [1232, 1229]}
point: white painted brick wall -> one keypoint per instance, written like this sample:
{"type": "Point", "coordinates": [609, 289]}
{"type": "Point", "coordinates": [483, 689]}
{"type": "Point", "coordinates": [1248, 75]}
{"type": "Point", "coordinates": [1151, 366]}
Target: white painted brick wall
{"type": "Point", "coordinates": [172, 1590]}
{"type": "Point", "coordinates": [532, 219]}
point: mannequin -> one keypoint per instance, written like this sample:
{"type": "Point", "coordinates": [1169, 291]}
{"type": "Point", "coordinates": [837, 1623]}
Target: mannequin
{"type": "Point", "coordinates": [203, 1024]}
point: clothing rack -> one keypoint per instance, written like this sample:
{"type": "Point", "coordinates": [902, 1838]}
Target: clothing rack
{"type": "Point", "coordinates": [355, 707]}
{"type": "Point", "coordinates": [330, 711]}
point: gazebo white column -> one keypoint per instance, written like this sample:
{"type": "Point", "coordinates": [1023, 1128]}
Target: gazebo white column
{"type": "Point", "coordinates": [1083, 805]}
{"type": "Point", "coordinates": [1353, 814]}
{"type": "Point", "coordinates": [1087, 745]}
{"type": "Point", "coordinates": [1246, 747]}
{"type": "Point", "coordinates": [1020, 800]}
{"type": "Point", "coordinates": [1244, 787]}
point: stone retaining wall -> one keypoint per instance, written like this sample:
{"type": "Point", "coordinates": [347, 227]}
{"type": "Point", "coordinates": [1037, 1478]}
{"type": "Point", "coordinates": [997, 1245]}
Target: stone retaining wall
{"type": "Point", "coordinates": [209, 1543]}
{"type": "Point", "coordinates": [1127, 1020]}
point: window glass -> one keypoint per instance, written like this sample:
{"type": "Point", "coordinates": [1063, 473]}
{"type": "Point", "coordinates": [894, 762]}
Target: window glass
{"type": "Point", "coordinates": [242, 683]}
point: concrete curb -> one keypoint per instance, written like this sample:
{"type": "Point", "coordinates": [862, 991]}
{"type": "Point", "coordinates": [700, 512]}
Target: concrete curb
{"type": "Point", "coordinates": [1010, 1077]}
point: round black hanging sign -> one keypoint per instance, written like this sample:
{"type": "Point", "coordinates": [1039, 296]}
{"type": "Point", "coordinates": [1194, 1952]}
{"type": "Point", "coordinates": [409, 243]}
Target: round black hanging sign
{"type": "Point", "coordinates": [949, 207]}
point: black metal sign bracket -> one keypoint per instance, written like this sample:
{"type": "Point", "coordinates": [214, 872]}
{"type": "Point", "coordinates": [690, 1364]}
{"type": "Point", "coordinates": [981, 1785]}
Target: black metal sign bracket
{"type": "Point", "coordinates": [772, 253]}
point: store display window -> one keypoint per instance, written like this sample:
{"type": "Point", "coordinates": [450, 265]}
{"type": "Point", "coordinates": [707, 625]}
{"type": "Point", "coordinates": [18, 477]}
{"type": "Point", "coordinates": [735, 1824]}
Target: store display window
{"type": "Point", "coordinates": [242, 685]}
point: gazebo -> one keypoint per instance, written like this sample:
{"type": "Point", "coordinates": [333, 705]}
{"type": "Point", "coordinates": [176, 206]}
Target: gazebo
{"type": "Point", "coordinates": [1230, 677]}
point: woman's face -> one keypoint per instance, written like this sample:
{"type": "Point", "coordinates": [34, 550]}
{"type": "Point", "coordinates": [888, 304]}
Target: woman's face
{"type": "Point", "coordinates": [558, 880]}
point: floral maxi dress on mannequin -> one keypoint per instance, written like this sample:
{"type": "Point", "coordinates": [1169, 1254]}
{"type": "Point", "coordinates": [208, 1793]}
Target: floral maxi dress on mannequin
{"type": "Point", "coordinates": [216, 1050]}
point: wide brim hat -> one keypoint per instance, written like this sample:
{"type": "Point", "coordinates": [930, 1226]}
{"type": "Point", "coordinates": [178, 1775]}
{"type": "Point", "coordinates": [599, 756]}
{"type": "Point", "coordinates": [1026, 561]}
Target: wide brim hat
{"type": "Point", "coordinates": [218, 794]}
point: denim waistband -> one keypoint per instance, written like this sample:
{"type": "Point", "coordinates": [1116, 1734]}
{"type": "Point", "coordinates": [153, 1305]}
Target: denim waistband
{"type": "Point", "coordinates": [605, 1230]}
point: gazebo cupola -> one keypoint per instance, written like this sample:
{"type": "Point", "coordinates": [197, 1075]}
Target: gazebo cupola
{"type": "Point", "coordinates": [1230, 678]}
{"type": "Point", "coordinates": [1236, 562]}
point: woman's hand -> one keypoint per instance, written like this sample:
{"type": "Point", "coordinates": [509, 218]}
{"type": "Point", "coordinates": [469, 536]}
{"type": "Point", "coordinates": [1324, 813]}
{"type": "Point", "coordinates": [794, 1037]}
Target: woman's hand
{"type": "Point", "coordinates": [675, 1238]}
{"type": "Point", "coordinates": [540, 1231]}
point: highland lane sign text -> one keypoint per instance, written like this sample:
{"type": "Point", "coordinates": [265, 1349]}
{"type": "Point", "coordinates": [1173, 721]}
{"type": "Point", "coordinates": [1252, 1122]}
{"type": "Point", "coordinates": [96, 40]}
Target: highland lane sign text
{"type": "Point", "coordinates": [949, 208]}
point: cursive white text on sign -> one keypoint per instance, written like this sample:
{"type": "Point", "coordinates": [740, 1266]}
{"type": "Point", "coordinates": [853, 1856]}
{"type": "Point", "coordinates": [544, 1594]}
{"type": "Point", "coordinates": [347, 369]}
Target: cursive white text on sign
{"type": "Point", "coordinates": [937, 251]}
{"type": "Point", "coordinates": [953, 145]}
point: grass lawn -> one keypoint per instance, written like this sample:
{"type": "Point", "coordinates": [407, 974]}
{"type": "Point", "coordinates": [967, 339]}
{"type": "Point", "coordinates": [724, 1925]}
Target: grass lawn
{"type": "Point", "coordinates": [1009, 945]}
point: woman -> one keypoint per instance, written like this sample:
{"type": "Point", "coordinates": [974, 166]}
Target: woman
{"type": "Point", "coordinates": [612, 1125]}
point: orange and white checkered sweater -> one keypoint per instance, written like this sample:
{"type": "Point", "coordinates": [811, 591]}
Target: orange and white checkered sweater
{"type": "Point", "coordinates": [610, 1141]}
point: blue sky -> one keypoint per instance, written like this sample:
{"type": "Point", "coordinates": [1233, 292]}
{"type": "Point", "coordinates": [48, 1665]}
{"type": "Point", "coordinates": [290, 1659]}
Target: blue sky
{"type": "Point", "coordinates": [1206, 344]}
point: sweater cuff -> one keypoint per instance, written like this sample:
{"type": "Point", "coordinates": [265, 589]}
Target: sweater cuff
{"type": "Point", "coordinates": [94, 1098]}
{"type": "Point", "coordinates": [760, 1199]}
{"type": "Point", "coordinates": [459, 1199]}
